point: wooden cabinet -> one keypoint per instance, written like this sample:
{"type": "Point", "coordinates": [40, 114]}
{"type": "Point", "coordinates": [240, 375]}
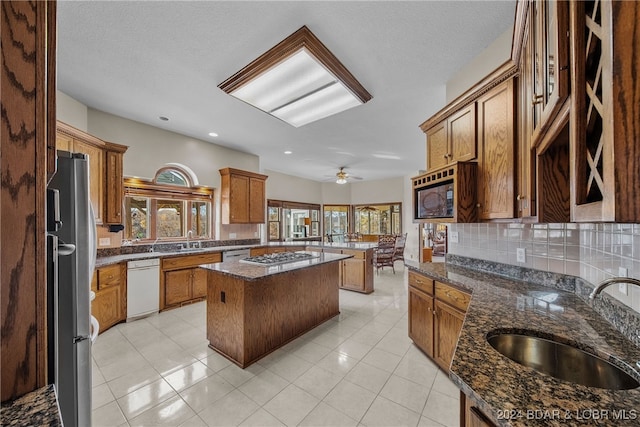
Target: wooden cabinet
{"type": "Point", "coordinates": [471, 415]}
{"type": "Point", "coordinates": [548, 66]}
{"type": "Point", "coordinates": [496, 174]}
{"type": "Point", "coordinates": [242, 197]}
{"type": "Point", "coordinates": [182, 282]}
{"type": "Point", "coordinates": [605, 118]}
{"type": "Point", "coordinates": [105, 171]}
{"type": "Point", "coordinates": [436, 315]}
{"type": "Point", "coordinates": [110, 304]}
{"type": "Point", "coordinates": [421, 319]}
{"type": "Point", "coordinates": [357, 272]}
{"type": "Point", "coordinates": [453, 139]}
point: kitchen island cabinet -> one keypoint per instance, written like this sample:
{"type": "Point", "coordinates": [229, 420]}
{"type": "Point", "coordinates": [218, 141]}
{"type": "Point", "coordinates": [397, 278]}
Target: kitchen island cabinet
{"type": "Point", "coordinates": [253, 310]}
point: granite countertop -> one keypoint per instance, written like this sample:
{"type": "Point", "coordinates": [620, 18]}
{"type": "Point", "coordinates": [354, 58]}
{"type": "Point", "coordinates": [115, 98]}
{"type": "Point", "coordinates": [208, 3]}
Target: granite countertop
{"type": "Point", "coordinates": [38, 408]}
{"type": "Point", "coordinates": [513, 395]}
{"type": "Point", "coordinates": [102, 261]}
{"type": "Point", "coordinates": [251, 272]}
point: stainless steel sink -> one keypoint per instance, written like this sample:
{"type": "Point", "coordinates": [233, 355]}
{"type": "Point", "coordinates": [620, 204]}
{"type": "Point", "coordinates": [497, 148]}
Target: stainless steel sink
{"type": "Point", "coordinates": [562, 361]}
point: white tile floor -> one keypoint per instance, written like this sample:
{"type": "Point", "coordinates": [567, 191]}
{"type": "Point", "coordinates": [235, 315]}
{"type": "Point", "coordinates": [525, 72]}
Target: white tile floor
{"type": "Point", "coordinates": [359, 369]}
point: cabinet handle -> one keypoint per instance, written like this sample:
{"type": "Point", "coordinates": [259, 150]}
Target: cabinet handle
{"type": "Point", "coordinates": [445, 156]}
{"type": "Point", "coordinates": [537, 99]}
{"type": "Point", "coordinates": [520, 197]}
{"type": "Point", "coordinates": [478, 205]}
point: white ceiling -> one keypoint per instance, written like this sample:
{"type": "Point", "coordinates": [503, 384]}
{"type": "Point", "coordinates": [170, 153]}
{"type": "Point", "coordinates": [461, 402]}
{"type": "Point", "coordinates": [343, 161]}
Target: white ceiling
{"type": "Point", "coordinates": [143, 59]}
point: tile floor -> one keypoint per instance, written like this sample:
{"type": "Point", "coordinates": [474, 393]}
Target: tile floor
{"type": "Point", "coordinates": [358, 369]}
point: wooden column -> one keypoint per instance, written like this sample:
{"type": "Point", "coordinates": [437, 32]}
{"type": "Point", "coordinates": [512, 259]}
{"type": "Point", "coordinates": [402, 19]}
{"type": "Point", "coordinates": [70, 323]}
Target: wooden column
{"type": "Point", "coordinates": [28, 120]}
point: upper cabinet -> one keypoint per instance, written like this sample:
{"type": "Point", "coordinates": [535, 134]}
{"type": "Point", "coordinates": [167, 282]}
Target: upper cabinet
{"type": "Point", "coordinates": [242, 197]}
{"type": "Point", "coordinates": [605, 117]}
{"type": "Point", "coordinates": [496, 152]}
{"type": "Point", "coordinates": [453, 139]}
{"type": "Point", "coordinates": [105, 170]}
{"type": "Point", "coordinates": [547, 69]}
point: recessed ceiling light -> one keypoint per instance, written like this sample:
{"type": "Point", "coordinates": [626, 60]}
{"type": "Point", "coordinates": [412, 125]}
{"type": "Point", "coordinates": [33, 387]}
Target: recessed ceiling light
{"type": "Point", "coordinates": [163, 118]}
{"type": "Point", "coordinates": [298, 81]}
{"type": "Point", "coordinates": [213, 134]}
{"type": "Point", "coordinates": [288, 152]}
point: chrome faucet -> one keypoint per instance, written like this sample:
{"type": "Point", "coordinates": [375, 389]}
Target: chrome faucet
{"type": "Point", "coordinates": [153, 245]}
{"type": "Point", "coordinates": [611, 281]}
{"type": "Point", "coordinates": [189, 237]}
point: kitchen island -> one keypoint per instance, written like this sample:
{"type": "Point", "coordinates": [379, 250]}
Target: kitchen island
{"type": "Point", "coordinates": [253, 309]}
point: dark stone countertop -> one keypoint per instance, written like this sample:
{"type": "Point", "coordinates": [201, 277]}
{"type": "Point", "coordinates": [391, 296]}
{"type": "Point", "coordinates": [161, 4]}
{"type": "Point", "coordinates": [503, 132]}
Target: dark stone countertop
{"type": "Point", "coordinates": [251, 272]}
{"type": "Point", "coordinates": [514, 395]}
{"type": "Point", "coordinates": [38, 408]}
{"type": "Point", "coordinates": [103, 261]}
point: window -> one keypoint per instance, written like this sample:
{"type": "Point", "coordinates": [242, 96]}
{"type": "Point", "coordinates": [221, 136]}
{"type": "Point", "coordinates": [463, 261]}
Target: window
{"type": "Point", "coordinates": [293, 221]}
{"type": "Point", "coordinates": [167, 207]}
{"type": "Point", "coordinates": [336, 220]}
{"type": "Point", "coordinates": [378, 219]}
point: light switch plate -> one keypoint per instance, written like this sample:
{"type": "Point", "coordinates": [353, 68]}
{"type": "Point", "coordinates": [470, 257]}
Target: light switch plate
{"type": "Point", "coordinates": [623, 288]}
{"type": "Point", "coordinates": [453, 237]}
{"type": "Point", "coordinates": [232, 235]}
{"type": "Point", "coordinates": [521, 255]}
{"type": "Point", "coordinates": [104, 241]}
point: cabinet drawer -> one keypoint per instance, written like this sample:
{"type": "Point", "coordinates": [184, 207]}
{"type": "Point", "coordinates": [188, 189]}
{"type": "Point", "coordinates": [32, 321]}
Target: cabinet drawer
{"type": "Point", "coordinates": [452, 296]}
{"type": "Point", "coordinates": [190, 261]}
{"type": "Point", "coordinates": [356, 254]}
{"type": "Point", "coordinates": [421, 282]}
{"type": "Point", "coordinates": [109, 276]}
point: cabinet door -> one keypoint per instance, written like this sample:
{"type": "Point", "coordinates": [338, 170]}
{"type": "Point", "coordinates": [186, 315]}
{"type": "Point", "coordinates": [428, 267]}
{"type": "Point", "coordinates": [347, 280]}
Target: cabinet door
{"type": "Point", "coordinates": [96, 179]}
{"type": "Point", "coordinates": [421, 320]}
{"type": "Point", "coordinates": [238, 199]}
{"type": "Point", "coordinates": [177, 286]}
{"type": "Point", "coordinates": [107, 307]}
{"type": "Point", "coordinates": [496, 146]}
{"type": "Point", "coordinates": [256, 200]}
{"type": "Point", "coordinates": [462, 134]}
{"type": "Point", "coordinates": [114, 191]}
{"type": "Point", "coordinates": [64, 142]}
{"type": "Point", "coordinates": [448, 323]}
{"type": "Point", "coordinates": [199, 284]}
{"type": "Point", "coordinates": [437, 146]}
{"type": "Point", "coordinates": [353, 274]}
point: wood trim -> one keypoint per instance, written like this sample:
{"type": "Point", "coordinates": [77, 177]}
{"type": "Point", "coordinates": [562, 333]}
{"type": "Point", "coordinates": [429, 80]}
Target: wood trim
{"type": "Point", "coordinates": [150, 189]}
{"type": "Point", "coordinates": [292, 205]}
{"type": "Point", "coordinates": [302, 38]}
{"type": "Point", "coordinates": [555, 129]}
{"type": "Point", "coordinates": [519, 30]}
{"type": "Point", "coordinates": [501, 74]}
{"type": "Point", "coordinates": [232, 171]}
{"type": "Point", "coordinates": [73, 132]}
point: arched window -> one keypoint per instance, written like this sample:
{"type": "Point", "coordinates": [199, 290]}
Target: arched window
{"type": "Point", "coordinates": [168, 207]}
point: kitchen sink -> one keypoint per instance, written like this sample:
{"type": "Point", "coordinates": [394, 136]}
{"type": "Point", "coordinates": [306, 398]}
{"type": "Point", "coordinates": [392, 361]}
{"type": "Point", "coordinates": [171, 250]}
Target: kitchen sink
{"type": "Point", "coordinates": [562, 361]}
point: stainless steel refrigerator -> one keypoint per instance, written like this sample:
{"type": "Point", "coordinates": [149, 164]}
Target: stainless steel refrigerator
{"type": "Point", "coordinates": [71, 259]}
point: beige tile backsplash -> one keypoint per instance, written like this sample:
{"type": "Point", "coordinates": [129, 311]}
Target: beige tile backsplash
{"type": "Point", "coordinates": [593, 252]}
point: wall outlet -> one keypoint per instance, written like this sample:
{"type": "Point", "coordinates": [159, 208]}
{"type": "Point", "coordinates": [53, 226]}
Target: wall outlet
{"type": "Point", "coordinates": [453, 237]}
{"type": "Point", "coordinates": [232, 235]}
{"type": "Point", "coordinates": [521, 255]}
{"type": "Point", "coordinates": [104, 241]}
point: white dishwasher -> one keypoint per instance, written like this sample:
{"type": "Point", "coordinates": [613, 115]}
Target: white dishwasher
{"type": "Point", "coordinates": [143, 288]}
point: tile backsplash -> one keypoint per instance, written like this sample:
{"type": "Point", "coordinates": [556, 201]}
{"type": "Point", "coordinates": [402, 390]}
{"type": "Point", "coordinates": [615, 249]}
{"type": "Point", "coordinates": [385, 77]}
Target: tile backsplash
{"type": "Point", "coordinates": [593, 252]}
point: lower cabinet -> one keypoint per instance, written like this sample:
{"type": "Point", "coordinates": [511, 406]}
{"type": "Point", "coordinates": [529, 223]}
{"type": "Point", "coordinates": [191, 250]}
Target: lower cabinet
{"type": "Point", "coordinates": [182, 282]}
{"type": "Point", "coordinates": [471, 415]}
{"type": "Point", "coordinates": [110, 304]}
{"type": "Point", "coordinates": [436, 314]}
{"type": "Point", "coordinates": [357, 272]}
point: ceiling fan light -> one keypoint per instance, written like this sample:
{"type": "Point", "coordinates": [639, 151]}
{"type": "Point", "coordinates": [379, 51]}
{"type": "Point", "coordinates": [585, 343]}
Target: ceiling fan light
{"type": "Point", "coordinates": [341, 181]}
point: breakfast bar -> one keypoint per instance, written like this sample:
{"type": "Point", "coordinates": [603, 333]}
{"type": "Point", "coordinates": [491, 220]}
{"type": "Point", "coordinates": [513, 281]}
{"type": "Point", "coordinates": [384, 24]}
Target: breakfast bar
{"type": "Point", "coordinates": [253, 308]}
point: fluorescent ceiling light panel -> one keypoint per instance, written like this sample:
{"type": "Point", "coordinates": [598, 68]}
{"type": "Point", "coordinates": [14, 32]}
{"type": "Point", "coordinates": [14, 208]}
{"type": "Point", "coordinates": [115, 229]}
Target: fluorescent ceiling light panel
{"type": "Point", "coordinates": [298, 81]}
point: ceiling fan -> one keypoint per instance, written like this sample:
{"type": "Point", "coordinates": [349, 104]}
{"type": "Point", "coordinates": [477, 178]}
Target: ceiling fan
{"type": "Point", "coordinates": [342, 176]}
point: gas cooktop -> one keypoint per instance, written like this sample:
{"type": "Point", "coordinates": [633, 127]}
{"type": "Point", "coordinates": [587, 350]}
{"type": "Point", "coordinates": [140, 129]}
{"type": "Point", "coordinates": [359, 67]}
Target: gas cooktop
{"type": "Point", "coordinates": [279, 258]}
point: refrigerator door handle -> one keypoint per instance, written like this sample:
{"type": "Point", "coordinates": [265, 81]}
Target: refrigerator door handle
{"type": "Point", "coordinates": [95, 328]}
{"type": "Point", "coordinates": [81, 338]}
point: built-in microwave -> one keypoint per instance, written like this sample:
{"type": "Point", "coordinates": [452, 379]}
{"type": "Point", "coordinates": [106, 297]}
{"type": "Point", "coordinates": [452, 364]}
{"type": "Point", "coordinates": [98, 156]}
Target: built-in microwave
{"type": "Point", "coordinates": [447, 194]}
